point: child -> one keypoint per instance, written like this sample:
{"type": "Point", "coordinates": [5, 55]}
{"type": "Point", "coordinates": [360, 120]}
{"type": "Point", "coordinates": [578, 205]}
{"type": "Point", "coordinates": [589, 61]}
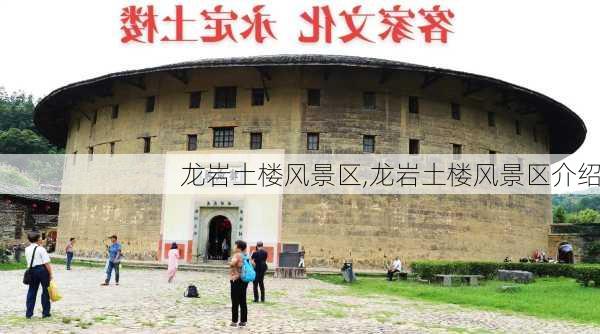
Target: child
{"type": "Point", "coordinates": [173, 261]}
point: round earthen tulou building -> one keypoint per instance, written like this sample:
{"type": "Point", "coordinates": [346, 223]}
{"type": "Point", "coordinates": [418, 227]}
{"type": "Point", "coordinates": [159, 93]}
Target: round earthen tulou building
{"type": "Point", "coordinates": [307, 104]}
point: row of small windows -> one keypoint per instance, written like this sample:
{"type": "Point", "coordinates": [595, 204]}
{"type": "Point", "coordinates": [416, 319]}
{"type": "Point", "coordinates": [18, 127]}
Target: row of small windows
{"type": "Point", "coordinates": [223, 137]}
{"type": "Point", "coordinates": [225, 97]}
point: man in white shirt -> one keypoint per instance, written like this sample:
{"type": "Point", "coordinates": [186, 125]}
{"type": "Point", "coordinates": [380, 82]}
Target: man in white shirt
{"type": "Point", "coordinates": [41, 274]}
{"type": "Point", "coordinates": [395, 267]}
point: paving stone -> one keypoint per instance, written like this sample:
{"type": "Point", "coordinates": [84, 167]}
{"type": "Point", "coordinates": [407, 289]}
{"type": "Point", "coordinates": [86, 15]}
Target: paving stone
{"type": "Point", "coordinates": [146, 303]}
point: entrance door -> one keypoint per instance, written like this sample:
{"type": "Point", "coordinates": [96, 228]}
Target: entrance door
{"type": "Point", "coordinates": [219, 238]}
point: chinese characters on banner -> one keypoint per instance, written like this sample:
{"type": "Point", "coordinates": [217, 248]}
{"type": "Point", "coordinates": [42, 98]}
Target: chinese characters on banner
{"type": "Point", "coordinates": [389, 175]}
{"type": "Point", "coordinates": [319, 24]}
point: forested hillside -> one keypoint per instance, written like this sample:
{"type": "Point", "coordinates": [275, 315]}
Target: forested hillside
{"type": "Point", "coordinates": [576, 209]}
{"type": "Point", "coordinates": [17, 131]}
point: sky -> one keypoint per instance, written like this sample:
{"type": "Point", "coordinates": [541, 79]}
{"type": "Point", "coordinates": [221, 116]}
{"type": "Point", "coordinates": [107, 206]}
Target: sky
{"type": "Point", "coordinates": [548, 46]}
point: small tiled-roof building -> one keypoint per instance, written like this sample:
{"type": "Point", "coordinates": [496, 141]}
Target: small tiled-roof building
{"type": "Point", "coordinates": [21, 212]}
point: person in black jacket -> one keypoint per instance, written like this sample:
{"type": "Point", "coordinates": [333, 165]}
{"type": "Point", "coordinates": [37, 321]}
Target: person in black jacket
{"type": "Point", "coordinates": [259, 259]}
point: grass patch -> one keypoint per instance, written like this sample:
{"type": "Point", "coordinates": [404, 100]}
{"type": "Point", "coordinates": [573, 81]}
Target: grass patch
{"type": "Point", "coordinates": [555, 298]}
{"type": "Point", "coordinates": [55, 261]}
{"type": "Point", "coordinates": [316, 293]}
{"type": "Point", "coordinates": [334, 312]}
{"type": "Point", "coordinates": [14, 320]}
{"type": "Point", "coordinates": [340, 304]}
{"type": "Point", "coordinates": [13, 266]}
{"type": "Point", "coordinates": [383, 316]}
{"type": "Point", "coordinates": [77, 263]}
{"type": "Point", "coordinates": [278, 293]}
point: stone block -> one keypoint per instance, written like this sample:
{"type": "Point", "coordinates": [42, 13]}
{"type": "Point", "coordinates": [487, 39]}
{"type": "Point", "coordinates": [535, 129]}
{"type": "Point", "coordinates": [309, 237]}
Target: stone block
{"type": "Point", "coordinates": [519, 276]}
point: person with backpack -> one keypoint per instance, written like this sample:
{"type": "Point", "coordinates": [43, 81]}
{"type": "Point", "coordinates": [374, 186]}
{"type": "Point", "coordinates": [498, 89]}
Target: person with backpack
{"type": "Point", "coordinates": [241, 273]}
{"type": "Point", "coordinates": [39, 273]}
{"type": "Point", "coordinates": [259, 258]}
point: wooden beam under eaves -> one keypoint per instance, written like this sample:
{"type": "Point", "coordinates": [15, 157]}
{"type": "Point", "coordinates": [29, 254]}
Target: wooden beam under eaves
{"type": "Point", "coordinates": [264, 76]}
{"type": "Point", "coordinates": [180, 75]}
{"type": "Point", "coordinates": [506, 99]}
{"type": "Point", "coordinates": [385, 76]}
{"type": "Point", "coordinates": [472, 87]}
{"type": "Point", "coordinates": [104, 89]}
{"type": "Point", "coordinates": [430, 79]}
{"type": "Point", "coordinates": [136, 81]}
{"type": "Point", "coordinates": [526, 111]}
{"type": "Point", "coordinates": [85, 115]}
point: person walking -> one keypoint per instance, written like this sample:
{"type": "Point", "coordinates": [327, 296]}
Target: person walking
{"type": "Point", "coordinates": [259, 259]}
{"type": "Point", "coordinates": [301, 255]}
{"type": "Point", "coordinates": [238, 287]}
{"type": "Point", "coordinates": [69, 252]}
{"type": "Point", "coordinates": [173, 261]}
{"type": "Point", "coordinates": [41, 274]}
{"type": "Point", "coordinates": [114, 260]}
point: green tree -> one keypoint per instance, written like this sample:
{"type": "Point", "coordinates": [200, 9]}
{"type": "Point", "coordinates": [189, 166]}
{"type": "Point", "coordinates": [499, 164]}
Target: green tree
{"type": "Point", "coordinates": [16, 110]}
{"type": "Point", "coordinates": [559, 215]}
{"type": "Point", "coordinates": [23, 141]}
{"type": "Point", "coordinates": [588, 216]}
{"type": "Point", "coordinates": [18, 134]}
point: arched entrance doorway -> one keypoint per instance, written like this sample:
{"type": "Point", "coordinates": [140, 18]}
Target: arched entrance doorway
{"type": "Point", "coordinates": [219, 238]}
{"type": "Point", "coordinates": [565, 252]}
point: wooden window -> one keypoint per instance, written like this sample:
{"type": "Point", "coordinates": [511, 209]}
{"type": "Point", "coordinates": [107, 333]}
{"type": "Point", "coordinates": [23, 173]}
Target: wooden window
{"type": "Point", "coordinates": [223, 137]}
{"type": "Point", "coordinates": [256, 140]}
{"type": "Point", "coordinates": [493, 156]}
{"type": "Point", "coordinates": [150, 103]}
{"type": "Point", "coordinates": [258, 96]}
{"type": "Point", "coordinates": [225, 97]}
{"type": "Point", "coordinates": [147, 143]}
{"type": "Point", "coordinates": [413, 104]}
{"type": "Point", "coordinates": [368, 144]}
{"type": "Point", "coordinates": [413, 146]}
{"type": "Point", "coordinates": [456, 149]}
{"type": "Point", "coordinates": [369, 100]}
{"type": "Point", "coordinates": [312, 141]}
{"type": "Point", "coordinates": [314, 97]}
{"type": "Point", "coordinates": [290, 248]}
{"type": "Point", "coordinates": [195, 99]}
{"type": "Point", "coordinates": [192, 142]}
{"type": "Point", "coordinates": [491, 118]}
{"type": "Point", "coordinates": [455, 111]}
{"type": "Point", "coordinates": [115, 111]}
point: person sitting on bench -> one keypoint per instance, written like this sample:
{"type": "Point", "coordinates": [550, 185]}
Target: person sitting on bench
{"type": "Point", "coordinates": [395, 267]}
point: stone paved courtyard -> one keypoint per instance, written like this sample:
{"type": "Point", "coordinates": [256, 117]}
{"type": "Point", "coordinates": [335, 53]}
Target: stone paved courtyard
{"type": "Point", "coordinates": [146, 303]}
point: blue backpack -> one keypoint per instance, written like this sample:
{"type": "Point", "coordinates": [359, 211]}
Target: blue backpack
{"type": "Point", "coordinates": [248, 274]}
